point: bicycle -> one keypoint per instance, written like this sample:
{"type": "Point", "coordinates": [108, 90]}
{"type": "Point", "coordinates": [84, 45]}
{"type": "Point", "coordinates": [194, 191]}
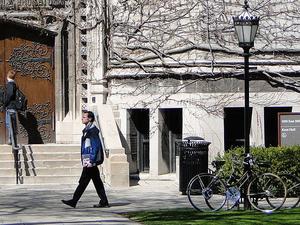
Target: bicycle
{"type": "Point", "coordinates": [210, 191]}
{"type": "Point", "coordinates": [292, 183]}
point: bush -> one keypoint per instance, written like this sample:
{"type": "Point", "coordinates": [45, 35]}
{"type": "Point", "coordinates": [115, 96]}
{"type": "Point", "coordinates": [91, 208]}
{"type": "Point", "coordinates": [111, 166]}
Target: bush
{"type": "Point", "coordinates": [282, 159]}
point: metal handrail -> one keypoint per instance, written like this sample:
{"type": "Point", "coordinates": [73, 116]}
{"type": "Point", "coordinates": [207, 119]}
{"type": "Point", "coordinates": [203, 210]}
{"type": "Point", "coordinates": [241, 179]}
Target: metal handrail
{"type": "Point", "coordinates": [14, 144]}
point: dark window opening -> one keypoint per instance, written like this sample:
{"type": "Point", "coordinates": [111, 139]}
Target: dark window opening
{"type": "Point", "coordinates": [139, 138]}
{"type": "Point", "coordinates": [171, 131]}
{"type": "Point", "coordinates": [234, 127]}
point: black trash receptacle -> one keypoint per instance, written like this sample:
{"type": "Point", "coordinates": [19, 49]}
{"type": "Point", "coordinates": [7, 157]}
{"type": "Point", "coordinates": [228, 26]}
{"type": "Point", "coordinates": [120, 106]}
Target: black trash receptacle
{"type": "Point", "coordinates": [193, 159]}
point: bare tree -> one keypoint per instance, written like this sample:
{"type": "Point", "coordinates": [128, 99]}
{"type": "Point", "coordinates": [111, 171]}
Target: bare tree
{"type": "Point", "coordinates": [180, 38]}
{"type": "Point", "coordinates": [192, 40]}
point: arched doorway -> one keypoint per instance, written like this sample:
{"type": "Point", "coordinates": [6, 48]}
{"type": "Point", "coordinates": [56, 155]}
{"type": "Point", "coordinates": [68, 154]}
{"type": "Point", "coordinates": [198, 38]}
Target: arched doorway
{"type": "Point", "coordinates": [29, 51]}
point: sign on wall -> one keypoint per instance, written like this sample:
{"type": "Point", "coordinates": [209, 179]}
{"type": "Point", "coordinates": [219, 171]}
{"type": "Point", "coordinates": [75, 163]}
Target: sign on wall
{"type": "Point", "coordinates": [289, 128]}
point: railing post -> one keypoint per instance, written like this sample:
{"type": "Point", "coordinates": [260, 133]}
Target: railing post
{"type": "Point", "coordinates": [14, 143]}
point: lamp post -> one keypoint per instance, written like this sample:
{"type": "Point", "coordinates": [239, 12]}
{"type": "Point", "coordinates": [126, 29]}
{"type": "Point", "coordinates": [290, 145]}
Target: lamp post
{"type": "Point", "coordinates": [246, 26]}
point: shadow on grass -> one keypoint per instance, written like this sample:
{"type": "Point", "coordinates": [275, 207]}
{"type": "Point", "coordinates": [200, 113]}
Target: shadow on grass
{"type": "Point", "coordinates": [190, 216]}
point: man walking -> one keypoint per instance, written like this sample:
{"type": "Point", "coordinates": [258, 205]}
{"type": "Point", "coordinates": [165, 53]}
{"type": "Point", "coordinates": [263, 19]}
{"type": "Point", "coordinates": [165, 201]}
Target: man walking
{"type": "Point", "coordinates": [91, 156]}
{"type": "Point", "coordinates": [10, 106]}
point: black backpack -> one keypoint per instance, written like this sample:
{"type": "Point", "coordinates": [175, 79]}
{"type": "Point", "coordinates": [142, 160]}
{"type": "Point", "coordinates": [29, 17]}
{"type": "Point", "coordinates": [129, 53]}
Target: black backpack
{"type": "Point", "coordinates": [21, 100]}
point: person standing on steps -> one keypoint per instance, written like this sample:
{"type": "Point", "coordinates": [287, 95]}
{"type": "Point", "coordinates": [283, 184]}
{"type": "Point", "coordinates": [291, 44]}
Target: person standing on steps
{"type": "Point", "coordinates": [91, 156]}
{"type": "Point", "coordinates": [10, 106]}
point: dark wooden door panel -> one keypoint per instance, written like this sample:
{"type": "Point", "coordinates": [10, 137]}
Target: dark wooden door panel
{"type": "Point", "coordinates": [35, 77]}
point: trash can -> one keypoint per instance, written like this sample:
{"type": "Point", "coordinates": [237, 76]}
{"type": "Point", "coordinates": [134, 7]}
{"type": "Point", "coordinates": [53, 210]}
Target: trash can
{"type": "Point", "coordinates": [193, 159]}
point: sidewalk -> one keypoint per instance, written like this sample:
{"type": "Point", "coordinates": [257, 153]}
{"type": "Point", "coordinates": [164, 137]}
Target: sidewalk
{"type": "Point", "coordinates": [37, 204]}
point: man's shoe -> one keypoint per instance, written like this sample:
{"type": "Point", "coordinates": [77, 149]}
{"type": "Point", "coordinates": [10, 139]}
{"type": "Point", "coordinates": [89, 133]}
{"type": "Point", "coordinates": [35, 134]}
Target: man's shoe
{"type": "Point", "coordinates": [102, 205]}
{"type": "Point", "coordinates": [69, 203]}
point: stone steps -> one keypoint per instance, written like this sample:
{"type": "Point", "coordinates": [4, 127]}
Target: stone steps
{"type": "Point", "coordinates": [42, 156]}
{"type": "Point", "coordinates": [54, 171]}
{"type": "Point", "coordinates": [41, 164]}
{"type": "Point", "coordinates": [7, 172]}
{"type": "Point", "coordinates": [46, 148]}
{"type": "Point", "coordinates": [41, 171]}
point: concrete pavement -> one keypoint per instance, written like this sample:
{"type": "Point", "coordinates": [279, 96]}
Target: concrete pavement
{"type": "Point", "coordinates": [41, 204]}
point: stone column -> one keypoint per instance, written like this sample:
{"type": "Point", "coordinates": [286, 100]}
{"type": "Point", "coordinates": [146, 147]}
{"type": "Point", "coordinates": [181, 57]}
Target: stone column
{"type": "Point", "coordinates": [154, 145]}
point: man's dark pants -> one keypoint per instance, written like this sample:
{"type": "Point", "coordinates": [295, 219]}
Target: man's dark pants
{"type": "Point", "coordinates": [87, 174]}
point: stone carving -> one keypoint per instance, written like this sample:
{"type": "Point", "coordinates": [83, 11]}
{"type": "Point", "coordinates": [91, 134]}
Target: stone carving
{"type": "Point", "coordinates": [28, 4]}
{"type": "Point", "coordinates": [57, 3]}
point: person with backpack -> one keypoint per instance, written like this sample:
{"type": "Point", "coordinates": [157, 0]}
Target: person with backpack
{"type": "Point", "coordinates": [10, 106]}
{"type": "Point", "coordinates": [91, 156]}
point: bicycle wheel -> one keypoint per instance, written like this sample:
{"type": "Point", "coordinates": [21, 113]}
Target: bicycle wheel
{"type": "Point", "coordinates": [292, 184]}
{"type": "Point", "coordinates": [266, 192]}
{"type": "Point", "coordinates": [206, 192]}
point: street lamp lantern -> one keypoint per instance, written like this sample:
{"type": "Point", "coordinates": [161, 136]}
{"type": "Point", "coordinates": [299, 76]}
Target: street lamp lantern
{"type": "Point", "coordinates": [246, 26]}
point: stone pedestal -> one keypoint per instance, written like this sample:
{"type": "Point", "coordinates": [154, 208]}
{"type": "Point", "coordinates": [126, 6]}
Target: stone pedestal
{"type": "Point", "coordinates": [116, 166]}
{"type": "Point", "coordinates": [116, 170]}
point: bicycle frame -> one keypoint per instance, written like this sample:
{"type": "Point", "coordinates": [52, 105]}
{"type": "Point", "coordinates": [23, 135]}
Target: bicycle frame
{"type": "Point", "coordinates": [241, 181]}
{"type": "Point", "coordinates": [247, 176]}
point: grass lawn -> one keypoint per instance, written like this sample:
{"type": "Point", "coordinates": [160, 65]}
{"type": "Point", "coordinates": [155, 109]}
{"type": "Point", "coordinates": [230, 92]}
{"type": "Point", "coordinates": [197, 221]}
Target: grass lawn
{"type": "Point", "coordinates": [191, 216]}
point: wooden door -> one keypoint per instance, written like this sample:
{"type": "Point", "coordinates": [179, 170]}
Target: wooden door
{"type": "Point", "coordinates": [30, 54]}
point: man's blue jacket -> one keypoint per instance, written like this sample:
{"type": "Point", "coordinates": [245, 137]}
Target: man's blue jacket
{"type": "Point", "coordinates": [91, 144]}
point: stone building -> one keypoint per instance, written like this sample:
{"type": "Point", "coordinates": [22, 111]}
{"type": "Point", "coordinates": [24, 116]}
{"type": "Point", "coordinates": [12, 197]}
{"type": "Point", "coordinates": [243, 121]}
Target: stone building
{"type": "Point", "coordinates": [45, 41]}
{"type": "Point", "coordinates": [154, 73]}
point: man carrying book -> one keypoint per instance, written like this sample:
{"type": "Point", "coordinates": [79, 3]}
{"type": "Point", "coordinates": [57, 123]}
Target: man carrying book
{"type": "Point", "coordinates": [91, 156]}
